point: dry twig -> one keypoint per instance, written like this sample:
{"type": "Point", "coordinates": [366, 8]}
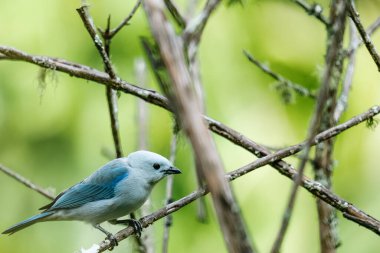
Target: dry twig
{"type": "Point", "coordinates": [354, 15]}
{"type": "Point", "coordinates": [313, 10]}
{"type": "Point", "coordinates": [27, 182]}
{"type": "Point", "coordinates": [301, 90]}
{"type": "Point", "coordinates": [329, 84]}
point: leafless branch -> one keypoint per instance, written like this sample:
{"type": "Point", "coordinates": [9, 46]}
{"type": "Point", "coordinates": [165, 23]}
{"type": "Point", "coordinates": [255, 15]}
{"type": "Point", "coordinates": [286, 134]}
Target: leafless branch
{"type": "Point", "coordinates": [104, 53]}
{"type": "Point", "coordinates": [48, 194]}
{"type": "Point", "coordinates": [194, 28]}
{"type": "Point", "coordinates": [173, 9]}
{"type": "Point", "coordinates": [370, 30]}
{"type": "Point", "coordinates": [313, 10]}
{"type": "Point", "coordinates": [354, 15]}
{"type": "Point", "coordinates": [327, 93]}
{"type": "Point", "coordinates": [189, 113]}
{"type": "Point", "coordinates": [323, 162]}
{"type": "Point", "coordinates": [282, 80]}
{"type": "Point", "coordinates": [90, 26]}
{"type": "Point", "coordinates": [111, 33]}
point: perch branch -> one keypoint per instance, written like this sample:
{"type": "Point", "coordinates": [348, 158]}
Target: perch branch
{"type": "Point", "coordinates": [349, 211]}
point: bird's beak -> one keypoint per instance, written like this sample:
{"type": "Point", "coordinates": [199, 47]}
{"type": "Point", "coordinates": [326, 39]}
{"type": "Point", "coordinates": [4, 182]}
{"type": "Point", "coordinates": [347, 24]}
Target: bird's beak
{"type": "Point", "coordinates": [172, 170]}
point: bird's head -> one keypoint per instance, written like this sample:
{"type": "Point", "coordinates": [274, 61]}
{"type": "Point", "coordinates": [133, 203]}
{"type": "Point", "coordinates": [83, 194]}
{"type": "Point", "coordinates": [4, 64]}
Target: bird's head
{"type": "Point", "coordinates": [152, 165]}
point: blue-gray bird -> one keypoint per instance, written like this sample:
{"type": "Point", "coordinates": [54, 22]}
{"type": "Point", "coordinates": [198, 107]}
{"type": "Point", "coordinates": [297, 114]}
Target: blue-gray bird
{"type": "Point", "coordinates": [116, 189]}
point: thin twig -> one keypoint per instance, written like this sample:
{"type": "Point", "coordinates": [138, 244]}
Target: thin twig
{"type": "Point", "coordinates": [313, 10]}
{"type": "Point", "coordinates": [370, 30]}
{"type": "Point", "coordinates": [91, 28]}
{"type": "Point", "coordinates": [354, 15]}
{"type": "Point", "coordinates": [111, 33]}
{"type": "Point", "coordinates": [173, 9]}
{"type": "Point", "coordinates": [337, 17]}
{"type": "Point", "coordinates": [169, 195]}
{"type": "Point", "coordinates": [282, 80]}
{"type": "Point", "coordinates": [104, 53]}
{"type": "Point", "coordinates": [44, 192]}
{"type": "Point", "coordinates": [323, 162]}
{"type": "Point", "coordinates": [313, 187]}
{"type": "Point", "coordinates": [194, 27]}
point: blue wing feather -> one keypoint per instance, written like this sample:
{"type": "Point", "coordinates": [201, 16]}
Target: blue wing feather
{"type": "Point", "coordinates": [81, 194]}
{"type": "Point", "coordinates": [98, 186]}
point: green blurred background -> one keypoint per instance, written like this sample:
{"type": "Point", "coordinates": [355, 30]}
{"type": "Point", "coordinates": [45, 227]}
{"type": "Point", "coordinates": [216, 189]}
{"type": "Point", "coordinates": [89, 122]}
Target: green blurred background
{"type": "Point", "coordinates": [54, 133]}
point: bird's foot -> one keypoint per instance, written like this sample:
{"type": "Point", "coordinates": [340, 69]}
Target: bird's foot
{"type": "Point", "coordinates": [113, 241]}
{"type": "Point", "coordinates": [110, 237]}
{"type": "Point", "coordinates": [136, 226]}
{"type": "Point", "coordinates": [130, 222]}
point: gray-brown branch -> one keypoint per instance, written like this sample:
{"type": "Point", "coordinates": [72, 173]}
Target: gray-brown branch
{"type": "Point", "coordinates": [188, 110]}
{"type": "Point", "coordinates": [48, 194]}
{"type": "Point", "coordinates": [354, 15]}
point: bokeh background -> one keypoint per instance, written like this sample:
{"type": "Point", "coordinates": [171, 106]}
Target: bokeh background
{"type": "Point", "coordinates": [55, 133]}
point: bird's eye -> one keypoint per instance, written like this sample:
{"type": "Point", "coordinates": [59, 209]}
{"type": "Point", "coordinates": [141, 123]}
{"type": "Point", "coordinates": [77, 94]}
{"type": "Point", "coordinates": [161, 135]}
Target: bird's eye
{"type": "Point", "coordinates": [156, 166]}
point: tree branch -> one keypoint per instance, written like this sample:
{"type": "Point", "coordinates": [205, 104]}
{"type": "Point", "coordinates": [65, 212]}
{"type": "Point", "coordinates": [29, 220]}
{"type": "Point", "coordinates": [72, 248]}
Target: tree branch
{"type": "Point", "coordinates": [44, 192]}
{"type": "Point", "coordinates": [282, 80]}
{"type": "Point", "coordinates": [194, 27]}
{"type": "Point", "coordinates": [354, 15]}
{"type": "Point", "coordinates": [173, 9]}
{"type": "Point", "coordinates": [327, 93]}
{"type": "Point", "coordinates": [189, 113]}
{"type": "Point", "coordinates": [370, 30]}
{"type": "Point", "coordinates": [104, 53]}
{"type": "Point", "coordinates": [313, 10]}
{"type": "Point", "coordinates": [111, 33]}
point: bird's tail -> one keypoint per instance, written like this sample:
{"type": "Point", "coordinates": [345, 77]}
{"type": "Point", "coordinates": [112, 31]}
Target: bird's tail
{"type": "Point", "coordinates": [27, 222]}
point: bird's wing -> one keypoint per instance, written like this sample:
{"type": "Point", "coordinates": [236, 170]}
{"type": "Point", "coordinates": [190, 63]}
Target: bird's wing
{"type": "Point", "coordinates": [88, 191]}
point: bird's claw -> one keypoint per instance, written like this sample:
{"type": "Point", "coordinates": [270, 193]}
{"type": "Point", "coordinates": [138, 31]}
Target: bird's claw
{"type": "Point", "coordinates": [136, 226]}
{"type": "Point", "coordinates": [130, 222]}
{"type": "Point", "coordinates": [113, 241]}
